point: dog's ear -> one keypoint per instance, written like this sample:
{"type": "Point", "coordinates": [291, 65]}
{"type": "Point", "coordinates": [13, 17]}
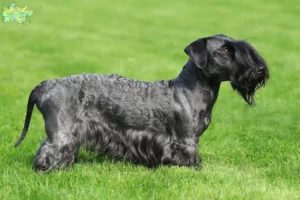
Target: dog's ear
{"type": "Point", "coordinates": [198, 52]}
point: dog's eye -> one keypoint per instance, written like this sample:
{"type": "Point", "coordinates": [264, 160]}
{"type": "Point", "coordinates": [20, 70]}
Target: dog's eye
{"type": "Point", "coordinates": [226, 50]}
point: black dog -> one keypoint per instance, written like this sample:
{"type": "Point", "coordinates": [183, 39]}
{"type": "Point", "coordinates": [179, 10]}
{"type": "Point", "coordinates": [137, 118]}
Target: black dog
{"type": "Point", "coordinates": [154, 124]}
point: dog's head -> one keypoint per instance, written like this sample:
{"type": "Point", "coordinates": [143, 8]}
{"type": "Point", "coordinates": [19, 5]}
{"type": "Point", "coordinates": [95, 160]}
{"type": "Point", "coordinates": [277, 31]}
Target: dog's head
{"type": "Point", "coordinates": [222, 58]}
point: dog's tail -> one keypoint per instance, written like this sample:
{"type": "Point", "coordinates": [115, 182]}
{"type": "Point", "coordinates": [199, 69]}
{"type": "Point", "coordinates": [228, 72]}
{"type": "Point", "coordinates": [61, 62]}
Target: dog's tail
{"type": "Point", "coordinates": [31, 101]}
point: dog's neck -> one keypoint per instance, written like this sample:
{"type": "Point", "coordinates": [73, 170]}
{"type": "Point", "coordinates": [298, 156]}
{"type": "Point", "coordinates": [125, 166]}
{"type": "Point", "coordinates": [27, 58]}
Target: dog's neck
{"type": "Point", "coordinates": [194, 96]}
{"type": "Point", "coordinates": [197, 85]}
{"type": "Point", "coordinates": [192, 76]}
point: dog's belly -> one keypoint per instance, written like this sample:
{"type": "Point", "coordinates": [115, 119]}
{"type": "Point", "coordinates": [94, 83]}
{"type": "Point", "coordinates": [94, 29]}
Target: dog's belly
{"type": "Point", "coordinates": [140, 146]}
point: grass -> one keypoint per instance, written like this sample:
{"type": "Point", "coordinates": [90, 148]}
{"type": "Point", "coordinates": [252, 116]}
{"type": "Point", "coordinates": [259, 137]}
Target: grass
{"type": "Point", "coordinates": [251, 153]}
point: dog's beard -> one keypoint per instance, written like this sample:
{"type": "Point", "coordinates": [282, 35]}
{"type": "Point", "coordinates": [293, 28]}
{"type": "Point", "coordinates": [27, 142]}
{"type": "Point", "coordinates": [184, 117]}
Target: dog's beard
{"type": "Point", "coordinates": [246, 85]}
{"type": "Point", "coordinates": [250, 71]}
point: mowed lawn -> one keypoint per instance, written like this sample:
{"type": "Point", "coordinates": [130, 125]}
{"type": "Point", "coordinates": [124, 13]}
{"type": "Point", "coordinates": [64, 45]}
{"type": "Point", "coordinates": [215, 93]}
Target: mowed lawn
{"type": "Point", "coordinates": [247, 152]}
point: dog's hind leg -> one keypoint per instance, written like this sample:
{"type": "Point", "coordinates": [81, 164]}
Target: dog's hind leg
{"type": "Point", "coordinates": [53, 155]}
{"type": "Point", "coordinates": [60, 149]}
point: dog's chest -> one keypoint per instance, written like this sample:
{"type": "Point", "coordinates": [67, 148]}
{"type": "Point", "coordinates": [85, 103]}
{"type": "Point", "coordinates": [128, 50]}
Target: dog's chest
{"type": "Point", "coordinates": [202, 122]}
{"type": "Point", "coordinates": [202, 113]}
{"type": "Point", "coordinates": [206, 120]}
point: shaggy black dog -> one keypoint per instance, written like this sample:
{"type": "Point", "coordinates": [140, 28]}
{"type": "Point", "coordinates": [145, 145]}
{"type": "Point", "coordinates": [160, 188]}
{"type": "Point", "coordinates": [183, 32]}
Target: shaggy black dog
{"type": "Point", "coordinates": [157, 123]}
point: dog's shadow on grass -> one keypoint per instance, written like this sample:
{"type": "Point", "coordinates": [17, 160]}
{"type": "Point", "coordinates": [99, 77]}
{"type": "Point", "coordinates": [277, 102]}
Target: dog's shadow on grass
{"type": "Point", "coordinates": [90, 158]}
{"type": "Point", "coordinates": [87, 158]}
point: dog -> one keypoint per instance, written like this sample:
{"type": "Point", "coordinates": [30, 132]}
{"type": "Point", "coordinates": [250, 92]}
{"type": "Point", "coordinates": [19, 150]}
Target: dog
{"type": "Point", "coordinates": [148, 123]}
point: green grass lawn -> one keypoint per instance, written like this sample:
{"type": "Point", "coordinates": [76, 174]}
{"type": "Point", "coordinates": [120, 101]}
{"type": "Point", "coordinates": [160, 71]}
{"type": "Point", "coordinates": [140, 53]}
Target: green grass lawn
{"type": "Point", "coordinates": [251, 153]}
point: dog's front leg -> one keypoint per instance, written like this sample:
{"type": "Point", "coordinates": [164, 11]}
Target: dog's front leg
{"type": "Point", "coordinates": [181, 154]}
